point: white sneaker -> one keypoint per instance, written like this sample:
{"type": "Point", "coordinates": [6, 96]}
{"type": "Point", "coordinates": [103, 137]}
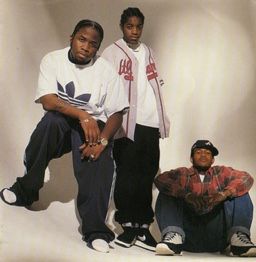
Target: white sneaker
{"type": "Point", "coordinates": [171, 244]}
{"type": "Point", "coordinates": [100, 245]}
{"type": "Point", "coordinates": [241, 245]}
{"type": "Point", "coordinates": [9, 196]}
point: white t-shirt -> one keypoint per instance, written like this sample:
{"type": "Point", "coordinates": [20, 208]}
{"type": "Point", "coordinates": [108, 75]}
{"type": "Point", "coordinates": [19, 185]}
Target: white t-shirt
{"type": "Point", "coordinates": [201, 177]}
{"type": "Point", "coordinates": [146, 102]}
{"type": "Point", "coordinates": [94, 87]}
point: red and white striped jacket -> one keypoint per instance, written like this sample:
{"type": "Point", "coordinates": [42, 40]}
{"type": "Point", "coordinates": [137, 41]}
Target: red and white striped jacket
{"type": "Point", "coordinates": [125, 63]}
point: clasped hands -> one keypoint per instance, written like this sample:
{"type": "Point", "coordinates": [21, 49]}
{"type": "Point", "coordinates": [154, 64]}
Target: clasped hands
{"type": "Point", "coordinates": [92, 147]}
{"type": "Point", "coordinates": [199, 202]}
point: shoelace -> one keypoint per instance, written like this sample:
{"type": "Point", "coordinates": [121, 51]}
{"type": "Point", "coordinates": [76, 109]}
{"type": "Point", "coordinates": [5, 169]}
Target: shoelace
{"type": "Point", "coordinates": [170, 236]}
{"type": "Point", "coordinates": [244, 238]}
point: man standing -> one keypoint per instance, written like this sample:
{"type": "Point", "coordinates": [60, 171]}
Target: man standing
{"type": "Point", "coordinates": [136, 152]}
{"type": "Point", "coordinates": [204, 208]}
{"type": "Point", "coordinates": [85, 100]}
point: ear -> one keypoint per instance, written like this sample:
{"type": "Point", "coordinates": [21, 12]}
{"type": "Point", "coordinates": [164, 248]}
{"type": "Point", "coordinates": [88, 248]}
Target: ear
{"type": "Point", "coordinates": [191, 159]}
{"type": "Point", "coordinates": [213, 159]}
{"type": "Point", "coordinates": [121, 27]}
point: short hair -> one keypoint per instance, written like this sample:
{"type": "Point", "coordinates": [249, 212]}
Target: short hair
{"type": "Point", "coordinates": [89, 23]}
{"type": "Point", "coordinates": [129, 12]}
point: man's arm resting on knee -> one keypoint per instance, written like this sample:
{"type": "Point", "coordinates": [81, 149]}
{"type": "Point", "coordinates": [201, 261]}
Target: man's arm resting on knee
{"type": "Point", "coordinates": [89, 125]}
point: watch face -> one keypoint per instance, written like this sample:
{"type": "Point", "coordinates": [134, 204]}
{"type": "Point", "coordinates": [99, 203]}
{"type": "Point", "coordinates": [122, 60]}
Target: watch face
{"type": "Point", "coordinates": [104, 142]}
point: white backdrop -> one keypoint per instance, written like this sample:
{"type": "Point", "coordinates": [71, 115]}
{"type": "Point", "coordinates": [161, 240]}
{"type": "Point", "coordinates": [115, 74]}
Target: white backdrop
{"type": "Point", "coordinates": [206, 51]}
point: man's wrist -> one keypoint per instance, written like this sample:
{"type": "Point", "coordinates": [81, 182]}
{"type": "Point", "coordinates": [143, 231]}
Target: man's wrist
{"type": "Point", "coordinates": [226, 193]}
{"type": "Point", "coordinates": [103, 141]}
{"type": "Point", "coordinates": [84, 117]}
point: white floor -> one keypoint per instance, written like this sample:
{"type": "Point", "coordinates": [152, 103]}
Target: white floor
{"type": "Point", "coordinates": [52, 234]}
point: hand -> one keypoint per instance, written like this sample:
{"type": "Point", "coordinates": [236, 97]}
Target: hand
{"type": "Point", "coordinates": [197, 202]}
{"type": "Point", "coordinates": [216, 198]}
{"type": "Point", "coordinates": [91, 130]}
{"type": "Point", "coordinates": [92, 152]}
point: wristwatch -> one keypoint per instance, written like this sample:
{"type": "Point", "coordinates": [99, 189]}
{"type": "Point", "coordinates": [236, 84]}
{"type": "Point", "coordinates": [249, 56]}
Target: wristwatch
{"type": "Point", "coordinates": [104, 141]}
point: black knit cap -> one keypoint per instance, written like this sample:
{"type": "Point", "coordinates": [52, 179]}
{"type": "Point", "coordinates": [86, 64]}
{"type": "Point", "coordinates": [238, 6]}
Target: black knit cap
{"type": "Point", "coordinates": [204, 144]}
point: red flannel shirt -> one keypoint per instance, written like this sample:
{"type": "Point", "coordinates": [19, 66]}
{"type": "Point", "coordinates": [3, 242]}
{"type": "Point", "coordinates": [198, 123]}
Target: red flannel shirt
{"type": "Point", "coordinates": [180, 181]}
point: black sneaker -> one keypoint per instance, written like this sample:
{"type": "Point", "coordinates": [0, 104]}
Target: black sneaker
{"type": "Point", "coordinates": [242, 246]}
{"type": "Point", "coordinates": [171, 244]}
{"type": "Point", "coordinates": [145, 239]}
{"type": "Point", "coordinates": [127, 238]}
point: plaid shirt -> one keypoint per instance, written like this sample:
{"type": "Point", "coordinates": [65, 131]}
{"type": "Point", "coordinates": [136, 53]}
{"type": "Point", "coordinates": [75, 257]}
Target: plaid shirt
{"type": "Point", "coordinates": [180, 181]}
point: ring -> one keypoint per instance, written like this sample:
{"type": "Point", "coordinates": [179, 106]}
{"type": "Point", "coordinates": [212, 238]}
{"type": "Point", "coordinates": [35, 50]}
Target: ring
{"type": "Point", "coordinates": [92, 156]}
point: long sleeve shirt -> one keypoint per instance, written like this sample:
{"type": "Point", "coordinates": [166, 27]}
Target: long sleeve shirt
{"type": "Point", "coordinates": [181, 181]}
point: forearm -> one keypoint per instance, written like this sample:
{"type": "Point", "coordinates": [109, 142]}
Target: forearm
{"type": "Point", "coordinates": [239, 184]}
{"type": "Point", "coordinates": [112, 125]}
{"type": "Point", "coordinates": [169, 183]}
{"type": "Point", "coordinates": [227, 193]}
{"type": "Point", "coordinates": [52, 103]}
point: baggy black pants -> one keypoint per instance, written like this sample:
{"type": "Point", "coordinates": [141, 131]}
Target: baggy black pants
{"type": "Point", "coordinates": [54, 136]}
{"type": "Point", "coordinates": [137, 164]}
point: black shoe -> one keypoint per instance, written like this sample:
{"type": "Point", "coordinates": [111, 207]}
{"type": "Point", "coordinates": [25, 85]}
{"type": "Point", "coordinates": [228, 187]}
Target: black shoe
{"type": "Point", "coordinates": [145, 239]}
{"type": "Point", "coordinates": [171, 244]}
{"type": "Point", "coordinates": [242, 246]}
{"type": "Point", "coordinates": [127, 238]}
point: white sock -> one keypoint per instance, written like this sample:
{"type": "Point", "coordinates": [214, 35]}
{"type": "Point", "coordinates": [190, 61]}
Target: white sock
{"type": "Point", "coordinates": [9, 196]}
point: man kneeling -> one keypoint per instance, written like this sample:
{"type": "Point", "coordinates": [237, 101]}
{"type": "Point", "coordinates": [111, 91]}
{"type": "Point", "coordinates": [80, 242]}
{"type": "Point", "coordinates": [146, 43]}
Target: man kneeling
{"type": "Point", "coordinates": [204, 208]}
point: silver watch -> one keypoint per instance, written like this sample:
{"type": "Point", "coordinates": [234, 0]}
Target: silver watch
{"type": "Point", "coordinates": [104, 141]}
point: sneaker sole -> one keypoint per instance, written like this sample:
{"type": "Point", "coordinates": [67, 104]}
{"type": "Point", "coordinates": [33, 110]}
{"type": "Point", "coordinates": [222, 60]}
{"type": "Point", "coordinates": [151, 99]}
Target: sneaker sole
{"type": "Point", "coordinates": [123, 244]}
{"type": "Point", "coordinates": [250, 253]}
{"type": "Point", "coordinates": [162, 249]}
{"type": "Point", "coordinates": [138, 243]}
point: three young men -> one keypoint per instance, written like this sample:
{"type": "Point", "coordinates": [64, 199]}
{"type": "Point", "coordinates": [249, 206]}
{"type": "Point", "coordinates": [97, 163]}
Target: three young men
{"type": "Point", "coordinates": [199, 209]}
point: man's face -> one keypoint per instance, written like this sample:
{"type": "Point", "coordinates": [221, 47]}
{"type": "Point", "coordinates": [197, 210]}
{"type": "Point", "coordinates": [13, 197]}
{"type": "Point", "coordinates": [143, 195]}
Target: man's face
{"type": "Point", "coordinates": [132, 30]}
{"type": "Point", "coordinates": [202, 158]}
{"type": "Point", "coordinates": [85, 44]}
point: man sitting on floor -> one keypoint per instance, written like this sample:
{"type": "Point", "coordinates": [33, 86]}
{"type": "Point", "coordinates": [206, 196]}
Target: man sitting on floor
{"type": "Point", "coordinates": [204, 208]}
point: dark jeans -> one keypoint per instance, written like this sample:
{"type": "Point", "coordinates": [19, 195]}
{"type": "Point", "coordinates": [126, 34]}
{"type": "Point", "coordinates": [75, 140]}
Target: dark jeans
{"type": "Point", "coordinates": [204, 233]}
{"type": "Point", "coordinates": [54, 136]}
{"type": "Point", "coordinates": [137, 163]}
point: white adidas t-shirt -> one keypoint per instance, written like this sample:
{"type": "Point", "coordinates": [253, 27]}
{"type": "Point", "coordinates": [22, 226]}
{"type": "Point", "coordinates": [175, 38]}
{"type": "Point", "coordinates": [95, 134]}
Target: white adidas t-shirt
{"type": "Point", "coordinates": [94, 87]}
{"type": "Point", "coordinates": [146, 102]}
